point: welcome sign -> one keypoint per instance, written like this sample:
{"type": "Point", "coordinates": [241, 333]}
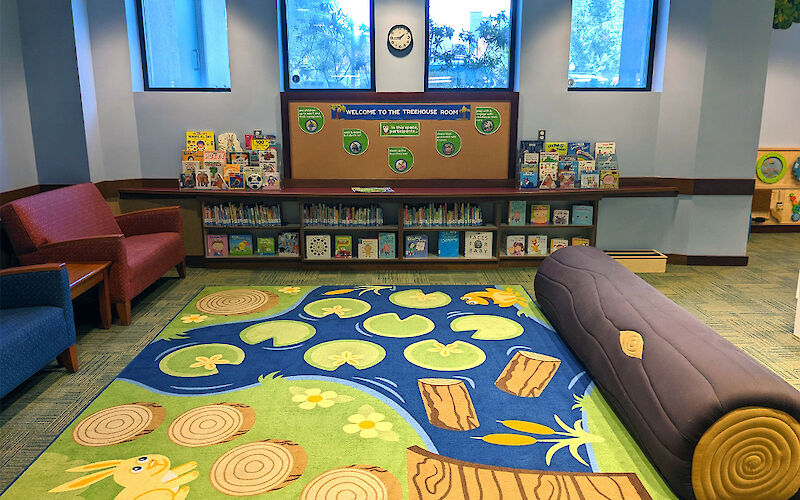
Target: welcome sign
{"type": "Point", "coordinates": [400, 111]}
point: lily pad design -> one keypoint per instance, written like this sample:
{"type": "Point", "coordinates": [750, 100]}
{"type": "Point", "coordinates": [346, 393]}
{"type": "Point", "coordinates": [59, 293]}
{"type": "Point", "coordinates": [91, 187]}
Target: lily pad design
{"type": "Point", "coordinates": [487, 327]}
{"type": "Point", "coordinates": [283, 332]}
{"type": "Point", "coordinates": [390, 325]}
{"type": "Point", "coordinates": [200, 360]}
{"type": "Point", "coordinates": [434, 355]}
{"type": "Point", "coordinates": [359, 354]}
{"type": "Point", "coordinates": [340, 306]}
{"type": "Point", "coordinates": [417, 299]}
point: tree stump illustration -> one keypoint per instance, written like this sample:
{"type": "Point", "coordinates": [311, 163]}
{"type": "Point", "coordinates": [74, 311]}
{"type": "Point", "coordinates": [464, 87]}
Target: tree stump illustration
{"type": "Point", "coordinates": [448, 404]}
{"type": "Point", "coordinates": [527, 374]}
{"type": "Point", "coordinates": [235, 302]}
{"type": "Point", "coordinates": [118, 424]}
{"type": "Point", "coordinates": [258, 467]}
{"type": "Point", "coordinates": [357, 482]}
{"type": "Point", "coordinates": [211, 424]}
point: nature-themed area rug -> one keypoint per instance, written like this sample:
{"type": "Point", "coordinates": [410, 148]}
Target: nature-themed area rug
{"type": "Point", "coordinates": [363, 392]}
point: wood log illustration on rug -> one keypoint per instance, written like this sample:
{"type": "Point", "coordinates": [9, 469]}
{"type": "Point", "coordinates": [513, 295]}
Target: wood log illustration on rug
{"type": "Point", "coordinates": [258, 467]}
{"type": "Point", "coordinates": [211, 424]}
{"type": "Point", "coordinates": [448, 404]}
{"type": "Point", "coordinates": [237, 301]}
{"type": "Point", "coordinates": [527, 374]}
{"type": "Point", "coordinates": [118, 424]}
{"type": "Point", "coordinates": [432, 476]}
{"type": "Point", "coordinates": [357, 482]}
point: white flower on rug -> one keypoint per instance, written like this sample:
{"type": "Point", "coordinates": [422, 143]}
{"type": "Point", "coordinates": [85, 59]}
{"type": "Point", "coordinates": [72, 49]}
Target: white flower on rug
{"type": "Point", "coordinates": [290, 290]}
{"type": "Point", "coordinates": [309, 399]}
{"type": "Point", "coordinates": [194, 318]}
{"type": "Point", "coordinates": [370, 424]}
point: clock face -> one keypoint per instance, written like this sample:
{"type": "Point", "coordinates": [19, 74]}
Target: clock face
{"type": "Point", "coordinates": [400, 39]}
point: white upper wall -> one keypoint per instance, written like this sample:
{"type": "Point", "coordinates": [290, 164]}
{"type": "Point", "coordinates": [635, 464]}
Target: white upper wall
{"type": "Point", "coordinates": [780, 123]}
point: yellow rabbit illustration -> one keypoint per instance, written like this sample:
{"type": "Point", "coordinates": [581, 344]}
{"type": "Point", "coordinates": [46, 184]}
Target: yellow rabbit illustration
{"type": "Point", "coordinates": [144, 478]}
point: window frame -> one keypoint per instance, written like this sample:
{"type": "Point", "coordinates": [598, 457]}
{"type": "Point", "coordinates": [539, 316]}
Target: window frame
{"type": "Point", "coordinates": [650, 61]}
{"type": "Point", "coordinates": [512, 55]}
{"type": "Point", "coordinates": [284, 47]}
{"type": "Point", "coordinates": [143, 53]}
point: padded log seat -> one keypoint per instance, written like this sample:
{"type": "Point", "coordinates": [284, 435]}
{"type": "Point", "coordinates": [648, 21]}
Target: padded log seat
{"type": "Point", "coordinates": [716, 423]}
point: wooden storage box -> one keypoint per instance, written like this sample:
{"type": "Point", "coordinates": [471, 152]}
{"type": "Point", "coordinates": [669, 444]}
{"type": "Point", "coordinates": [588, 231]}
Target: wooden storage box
{"type": "Point", "coordinates": [640, 261]}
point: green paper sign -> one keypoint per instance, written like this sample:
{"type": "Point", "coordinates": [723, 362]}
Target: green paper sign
{"type": "Point", "coordinates": [399, 129]}
{"type": "Point", "coordinates": [487, 120]}
{"type": "Point", "coordinates": [310, 119]}
{"type": "Point", "coordinates": [400, 160]}
{"type": "Point", "coordinates": [448, 142]}
{"type": "Point", "coordinates": [355, 141]}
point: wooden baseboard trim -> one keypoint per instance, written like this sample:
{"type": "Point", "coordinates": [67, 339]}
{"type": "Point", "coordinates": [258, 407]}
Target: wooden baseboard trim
{"type": "Point", "coordinates": [707, 260]}
{"type": "Point", "coordinates": [700, 187]}
{"type": "Point", "coordinates": [775, 228]}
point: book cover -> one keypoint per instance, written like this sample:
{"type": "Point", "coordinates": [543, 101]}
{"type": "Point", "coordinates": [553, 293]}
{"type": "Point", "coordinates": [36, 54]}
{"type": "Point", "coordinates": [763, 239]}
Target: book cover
{"type": "Point", "coordinates": [566, 174]}
{"type": "Point", "coordinates": [199, 140]}
{"type": "Point", "coordinates": [272, 181]}
{"type": "Point", "coordinates": [289, 244]}
{"type": "Point", "coordinates": [387, 245]}
{"type": "Point", "coordinates": [579, 148]}
{"type": "Point", "coordinates": [367, 248]}
{"type": "Point", "coordinates": [216, 245]}
{"type": "Point", "coordinates": [268, 160]}
{"type": "Point", "coordinates": [529, 179]}
{"type": "Point", "coordinates": [590, 180]}
{"type": "Point", "coordinates": [214, 155]}
{"type": "Point", "coordinates": [343, 245]}
{"type": "Point", "coordinates": [253, 177]}
{"type": "Point", "coordinates": [218, 181]}
{"type": "Point", "coordinates": [549, 156]}
{"type": "Point", "coordinates": [189, 155]}
{"type": "Point", "coordinates": [190, 166]}
{"type": "Point", "coordinates": [537, 244]}
{"type": "Point", "coordinates": [515, 244]}
{"type": "Point", "coordinates": [448, 243]}
{"type": "Point", "coordinates": [557, 147]}
{"type": "Point", "coordinates": [259, 144]}
{"type": "Point", "coordinates": [240, 244]}
{"type": "Point", "coordinates": [582, 215]}
{"type": "Point", "coordinates": [580, 241]}
{"type": "Point", "coordinates": [561, 216]}
{"type": "Point", "coordinates": [558, 244]}
{"type": "Point", "coordinates": [248, 138]}
{"type": "Point", "coordinates": [252, 158]}
{"type": "Point", "coordinates": [530, 161]}
{"type": "Point", "coordinates": [540, 214]}
{"type": "Point", "coordinates": [318, 246]}
{"type": "Point", "coordinates": [586, 166]}
{"type": "Point", "coordinates": [548, 172]}
{"type": "Point", "coordinates": [214, 167]}
{"type": "Point", "coordinates": [187, 180]}
{"type": "Point", "coordinates": [236, 180]}
{"type": "Point", "coordinates": [606, 161]}
{"type": "Point", "coordinates": [478, 245]}
{"type": "Point", "coordinates": [605, 148]}
{"type": "Point", "coordinates": [416, 245]}
{"type": "Point", "coordinates": [516, 212]}
{"type": "Point", "coordinates": [265, 245]}
{"type": "Point", "coordinates": [239, 158]}
{"type": "Point", "coordinates": [609, 178]}
{"type": "Point", "coordinates": [203, 179]}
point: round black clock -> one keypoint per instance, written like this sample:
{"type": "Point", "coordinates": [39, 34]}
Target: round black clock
{"type": "Point", "coordinates": [399, 40]}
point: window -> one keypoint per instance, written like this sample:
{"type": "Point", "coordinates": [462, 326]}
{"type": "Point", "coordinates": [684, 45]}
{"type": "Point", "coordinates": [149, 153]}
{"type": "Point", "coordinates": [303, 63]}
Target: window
{"type": "Point", "coordinates": [470, 44]}
{"type": "Point", "coordinates": [328, 44]}
{"type": "Point", "coordinates": [184, 44]}
{"type": "Point", "coordinates": [611, 45]}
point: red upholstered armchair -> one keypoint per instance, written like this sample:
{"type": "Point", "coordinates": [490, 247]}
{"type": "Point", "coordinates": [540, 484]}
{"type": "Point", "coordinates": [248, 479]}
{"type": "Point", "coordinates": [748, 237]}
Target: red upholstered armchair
{"type": "Point", "coordinates": [75, 224]}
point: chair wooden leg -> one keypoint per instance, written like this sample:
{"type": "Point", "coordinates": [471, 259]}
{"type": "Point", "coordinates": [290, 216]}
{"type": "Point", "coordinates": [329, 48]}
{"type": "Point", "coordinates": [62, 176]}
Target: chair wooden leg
{"type": "Point", "coordinates": [124, 311]}
{"type": "Point", "coordinates": [69, 358]}
{"type": "Point", "coordinates": [181, 269]}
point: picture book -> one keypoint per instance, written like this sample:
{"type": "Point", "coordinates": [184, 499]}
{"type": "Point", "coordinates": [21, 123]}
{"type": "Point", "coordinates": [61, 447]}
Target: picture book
{"type": "Point", "coordinates": [367, 248]}
{"type": "Point", "coordinates": [478, 245]}
{"type": "Point", "coordinates": [515, 244]}
{"type": "Point", "coordinates": [289, 244]}
{"type": "Point", "coordinates": [343, 245]}
{"type": "Point", "coordinates": [516, 212]}
{"type": "Point", "coordinates": [318, 246]}
{"type": "Point", "coordinates": [253, 177]}
{"type": "Point", "coordinates": [189, 155]}
{"type": "Point", "coordinates": [582, 215]}
{"type": "Point", "coordinates": [558, 244]}
{"type": "Point", "coordinates": [531, 146]}
{"type": "Point", "coordinates": [240, 244]}
{"type": "Point", "coordinates": [187, 180]}
{"type": "Point", "coordinates": [214, 155]}
{"type": "Point", "coordinates": [189, 166]}
{"type": "Point", "coordinates": [219, 181]}
{"type": "Point", "coordinates": [252, 158]}
{"type": "Point", "coordinates": [537, 244]}
{"type": "Point", "coordinates": [579, 148]}
{"type": "Point", "coordinates": [566, 174]}
{"type": "Point", "coordinates": [268, 160]}
{"type": "Point", "coordinates": [529, 180]}
{"type": "Point", "coordinates": [586, 166]}
{"type": "Point", "coordinates": [372, 190]}
{"type": "Point", "coordinates": [236, 180]}
{"type": "Point", "coordinates": [272, 181]}
{"type": "Point", "coordinates": [590, 180]}
{"type": "Point", "coordinates": [199, 140]}
{"type": "Point", "coordinates": [605, 148]}
{"type": "Point", "coordinates": [265, 245]}
{"type": "Point", "coordinates": [549, 156]}
{"type": "Point", "coordinates": [232, 168]}
{"type": "Point", "coordinates": [448, 243]}
{"type": "Point", "coordinates": [259, 144]}
{"type": "Point", "coordinates": [248, 139]}
{"type": "Point", "coordinates": [216, 245]}
{"type": "Point", "coordinates": [416, 245]}
{"type": "Point", "coordinates": [540, 214]}
{"type": "Point", "coordinates": [606, 161]}
{"type": "Point", "coordinates": [548, 173]}
{"type": "Point", "coordinates": [214, 167]}
{"type": "Point", "coordinates": [387, 245]}
{"type": "Point", "coordinates": [580, 241]}
{"type": "Point", "coordinates": [239, 158]}
{"type": "Point", "coordinates": [558, 147]}
{"type": "Point", "coordinates": [203, 179]}
{"type": "Point", "coordinates": [609, 178]}
{"type": "Point", "coordinates": [561, 216]}
{"type": "Point", "coordinates": [530, 161]}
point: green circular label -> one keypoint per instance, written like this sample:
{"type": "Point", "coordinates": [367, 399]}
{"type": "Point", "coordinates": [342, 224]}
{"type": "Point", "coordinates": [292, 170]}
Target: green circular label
{"type": "Point", "coordinates": [448, 142]}
{"type": "Point", "coordinates": [400, 159]}
{"type": "Point", "coordinates": [487, 120]}
{"type": "Point", "coordinates": [355, 141]}
{"type": "Point", "coordinates": [310, 119]}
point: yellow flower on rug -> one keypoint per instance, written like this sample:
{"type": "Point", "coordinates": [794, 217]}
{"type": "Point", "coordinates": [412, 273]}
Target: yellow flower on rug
{"type": "Point", "coordinates": [209, 363]}
{"type": "Point", "coordinates": [194, 318]}
{"type": "Point", "coordinates": [290, 290]}
{"type": "Point", "coordinates": [345, 357]}
{"type": "Point", "coordinates": [444, 350]}
{"type": "Point", "coordinates": [370, 424]}
{"type": "Point", "coordinates": [337, 310]}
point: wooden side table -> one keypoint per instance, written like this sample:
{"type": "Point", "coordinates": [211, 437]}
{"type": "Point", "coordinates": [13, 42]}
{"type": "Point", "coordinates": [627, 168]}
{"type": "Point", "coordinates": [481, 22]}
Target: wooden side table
{"type": "Point", "coordinates": [86, 275]}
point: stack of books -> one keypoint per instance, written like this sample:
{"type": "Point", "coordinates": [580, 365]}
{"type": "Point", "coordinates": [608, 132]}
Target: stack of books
{"type": "Point", "coordinates": [443, 214]}
{"type": "Point", "coordinates": [322, 214]}
{"type": "Point", "coordinates": [241, 214]}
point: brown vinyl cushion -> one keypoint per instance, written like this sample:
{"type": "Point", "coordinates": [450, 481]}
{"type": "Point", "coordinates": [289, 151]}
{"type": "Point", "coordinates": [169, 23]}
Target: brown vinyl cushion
{"type": "Point", "coordinates": [670, 378]}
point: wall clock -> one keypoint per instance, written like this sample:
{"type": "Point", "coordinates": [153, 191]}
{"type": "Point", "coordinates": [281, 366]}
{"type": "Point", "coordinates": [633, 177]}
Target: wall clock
{"type": "Point", "coordinates": [399, 40]}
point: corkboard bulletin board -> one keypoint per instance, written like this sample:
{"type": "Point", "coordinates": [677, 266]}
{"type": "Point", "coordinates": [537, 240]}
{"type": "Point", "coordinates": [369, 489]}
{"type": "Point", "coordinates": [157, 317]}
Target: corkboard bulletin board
{"type": "Point", "coordinates": [322, 155]}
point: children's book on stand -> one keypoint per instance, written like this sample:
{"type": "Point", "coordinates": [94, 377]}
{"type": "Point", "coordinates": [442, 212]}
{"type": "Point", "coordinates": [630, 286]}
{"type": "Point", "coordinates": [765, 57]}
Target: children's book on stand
{"type": "Point", "coordinates": [265, 246]}
{"type": "Point", "coordinates": [289, 244]}
{"type": "Point", "coordinates": [416, 245]}
{"type": "Point", "coordinates": [579, 148]}
{"type": "Point", "coordinates": [590, 180]}
{"type": "Point", "coordinates": [529, 179]}
{"type": "Point", "coordinates": [582, 215]}
{"type": "Point", "coordinates": [580, 241]}
{"type": "Point", "coordinates": [187, 180]}
{"type": "Point", "coordinates": [387, 245]}
{"type": "Point", "coordinates": [540, 214]}
{"type": "Point", "coordinates": [199, 140]}
{"type": "Point", "coordinates": [216, 245]}
{"type": "Point", "coordinates": [604, 148]}
{"type": "Point", "coordinates": [202, 179]}
{"type": "Point", "coordinates": [240, 244]}
{"type": "Point", "coordinates": [318, 246]}
{"type": "Point", "coordinates": [548, 170]}
{"type": "Point", "coordinates": [566, 174]}
{"type": "Point", "coordinates": [253, 177]}
{"type": "Point", "coordinates": [448, 243]}
{"type": "Point", "coordinates": [556, 147]}
{"type": "Point", "coordinates": [367, 248]}
{"type": "Point", "coordinates": [558, 244]}
{"type": "Point", "coordinates": [515, 244]}
{"type": "Point", "coordinates": [537, 244]}
{"type": "Point", "coordinates": [561, 216]}
{"type": "Point", "coordinates": [516, 212]}
{"type": "Point", "coordinates": [478, 245]}
{"type": "Point", "coordinates": [344, 246]}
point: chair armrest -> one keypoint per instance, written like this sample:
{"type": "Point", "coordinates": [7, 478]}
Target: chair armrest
{"type": "Point", "coordinates": [37, 285]}
{"type": "Point", "coordinates": [90, 249]}
{"type": "Point", "coordinates": [153, 220]}
{"type": "Point", "coordinates": [35, 268]}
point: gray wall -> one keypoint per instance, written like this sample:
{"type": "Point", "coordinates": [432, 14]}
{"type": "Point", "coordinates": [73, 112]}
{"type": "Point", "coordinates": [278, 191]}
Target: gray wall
{"type": "Point", "coordinates": [780, 125]}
